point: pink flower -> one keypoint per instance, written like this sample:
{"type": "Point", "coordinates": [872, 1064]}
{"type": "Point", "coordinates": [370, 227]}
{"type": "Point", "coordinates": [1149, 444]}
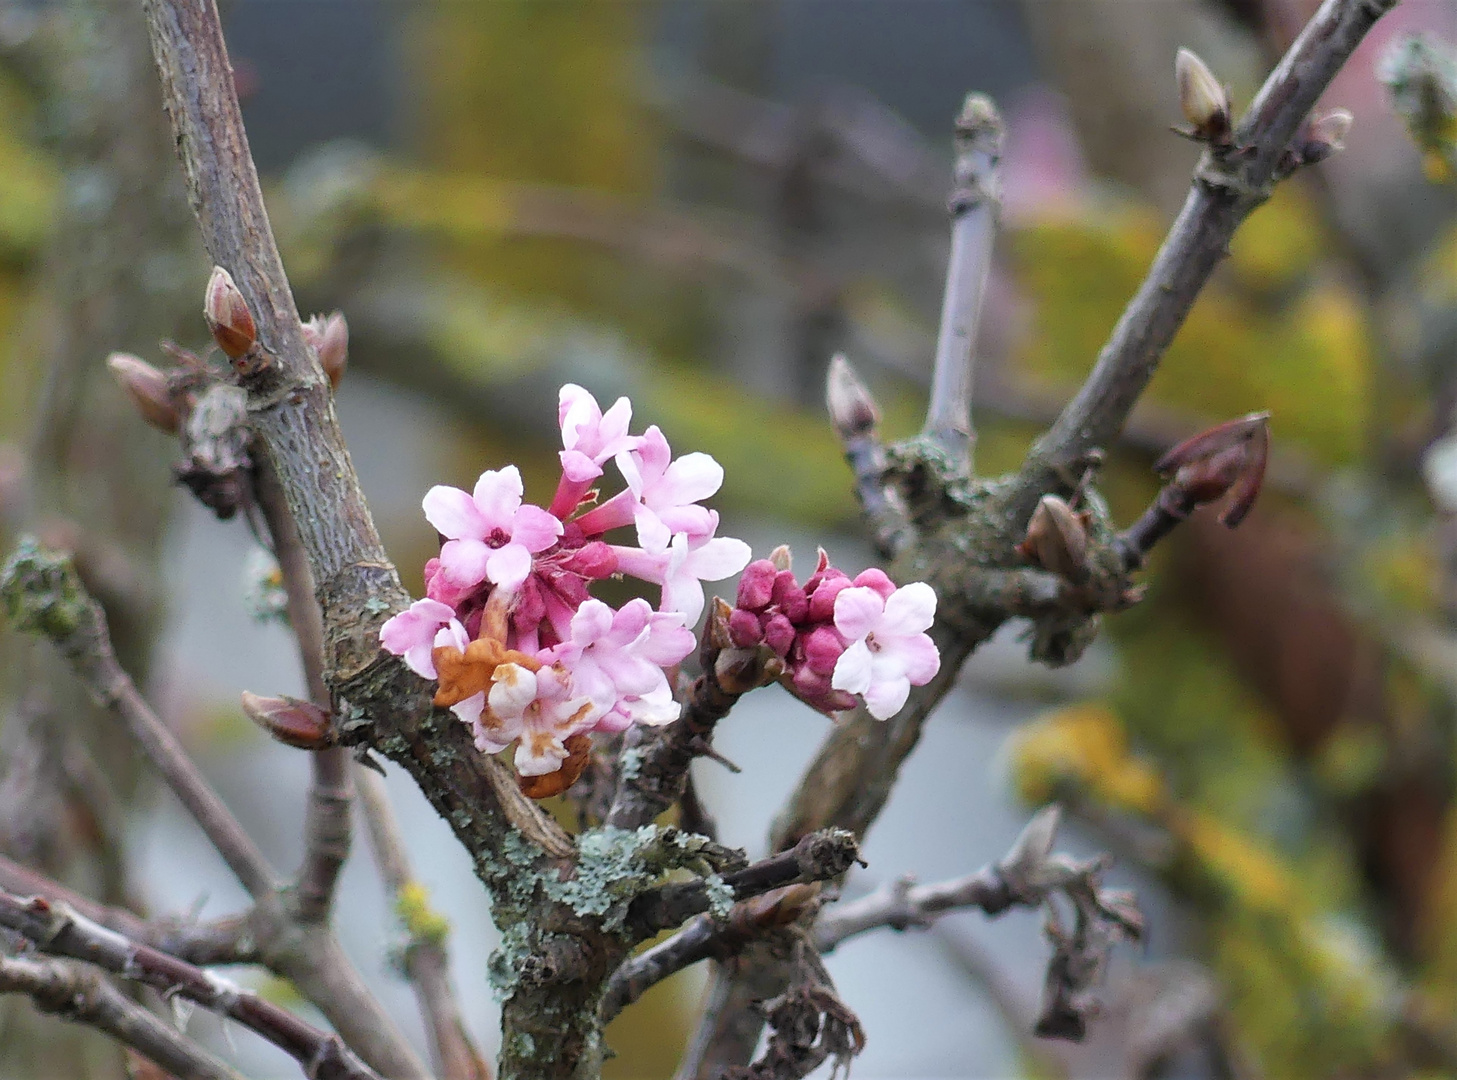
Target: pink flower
{"type": "Point", "coordinates": [490, 535]}
{"type": "Point", "coordinates": [685, 565]}
{"type": "Point", "coordinates": [662, 494]}
{"type": "Point", "coordinates": [617, 659]}
{"type": "Point", "coordinates": [415, 632]}
{"type": "Point", "coordinates": [888, 650]}
{"type": "Point", "coordinates": [590, 437]}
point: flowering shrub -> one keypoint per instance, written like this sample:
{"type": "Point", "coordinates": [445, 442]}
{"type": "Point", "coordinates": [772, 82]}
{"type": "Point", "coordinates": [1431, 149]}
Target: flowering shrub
{"type": "Point", "coordinates": [524, 654]}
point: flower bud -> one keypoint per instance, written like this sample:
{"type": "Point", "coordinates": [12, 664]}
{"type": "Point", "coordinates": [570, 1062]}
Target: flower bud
{"type": "Point", "coordinates": [1323, 137]}
{"type": "Point", "coordinates": [301, 724]}
{"type": "Point", "coordinates": [1228, 458]}
{"type": "Point", "coordinates": [329, 336]}
{"type": "Point", "coordinates": [148, 390]}
{"type": "Point", "coordinates": [1056, 540]}
{"type": "Point", "coordinates": [1204, 102]}
{"type": "Point", "coordinates": [228, 316]}
{"type": "Point", "coordinates": [823, 647]}
{"type": "Point", "coordinates": [788, 597]}
{"type": "Point", "coordinates": [852, 410]}
{"type": "Point", "coordinates": [778, 633]}
{"type": "Point", "coordinates": [756, 585]}
{"type": "Point", "coordinates": [744, 629]}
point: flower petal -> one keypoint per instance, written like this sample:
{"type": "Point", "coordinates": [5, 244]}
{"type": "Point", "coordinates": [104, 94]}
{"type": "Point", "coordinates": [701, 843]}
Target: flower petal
{"type": "Point", "coordinates": [513, 688]}
{"type": "Point", "coordinates": [910, 609]}
{"type": "Point", "coordinates": [916, 656]}
{"type": "Point", "coordinates": [509, 566]}
{"type": "Point", "coordinates": [498, 494]}
{"type": "Point", "coordinates": [719, 558]}
{"type": "Point", "coordinates": [690, 479]}
{"type": "Point", "coordinates": [858, 611]}
{"type": "Point", "coordinates": [853, 669]}
{"type": "Point", "coordinates": [463, 562]}
{"type": "Point", "coordinates": [885, 699]}
{"type": "Point", "coordinates": [535, 529]}
{"type": "Point", "coordinates": [454, 514]}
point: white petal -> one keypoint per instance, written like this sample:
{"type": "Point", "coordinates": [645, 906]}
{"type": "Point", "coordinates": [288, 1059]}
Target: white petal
{"type": "Point", "coordinates": [858, 611]}
{"type": "Point", "coordinates": [885, 699]}
{"type": "Point", "coordinates": [498, 494]}
{"type": "Point", "coordinates": [513, 688]}
{"type": "Point", "coordinates": [852, 670]}
{"type": "Point", "coordinates": [508, 566]}
{"type": "Point", "coordinates": [910, 609]}
{"type": "Point", "coordinates": [719, 558]}
{"type": "Point", "coordinates": [453, 513]}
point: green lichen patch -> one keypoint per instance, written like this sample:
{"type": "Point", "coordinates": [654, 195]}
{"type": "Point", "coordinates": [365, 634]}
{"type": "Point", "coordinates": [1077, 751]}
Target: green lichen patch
{"type": "Point", "coordinates": [42, 592]}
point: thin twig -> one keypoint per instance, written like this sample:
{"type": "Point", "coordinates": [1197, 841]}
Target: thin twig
{"type": "Point", "coordinates": [1228, 185]}
{"type": "Point", "coordinates": [425, 962]}
{"type": "Point", "coordinates": [855, 417]}
{"type": "Point", "coordinates": [80, 996]}
{"type": "Point", "coordinates": [59, 930]}
{"type": "Point", "coordinates": [327, 826]}
{"type": "Point", "coordinates": [43, 594]}
{"type": "Point", "coordinates": [975, 208]}
{"type": "Point", "coordinates": [225, 941]}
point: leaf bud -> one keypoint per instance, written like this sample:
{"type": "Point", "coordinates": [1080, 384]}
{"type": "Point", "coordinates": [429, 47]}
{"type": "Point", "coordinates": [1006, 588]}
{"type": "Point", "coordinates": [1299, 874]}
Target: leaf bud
{"type": "Point", "coordinates": [1204, 102]}
{"type": "Point", "coordinates": [296, 723]}
{"type": "Point", "coordinates": [1057, 540]}
{"type": "Point", "coordinates": [852, 410]}
{"type": "Point", "coordinates": [147, 387]}
{"type": "Point", "coordinates": [228, 316]}
{"type": "Point", "coordinates": [329, 336]}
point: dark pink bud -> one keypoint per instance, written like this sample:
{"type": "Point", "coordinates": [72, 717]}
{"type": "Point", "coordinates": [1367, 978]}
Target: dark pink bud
{"type": "Point", "coordinates": [822, 599]}
{"type": "Point", "coordinates": [530, 608]}
{"type": "Point", "coordinates": [757, 585]}
{"type": "Point", "coordinates": [822, 648]}
{"type": "Point", "coordinates": [789, 597]}
{"type": "Point", "coordinates": [778, 633]}
{"type": "Point", "coordinates": [876, 579]}
{"type": "Point", "coordinates": [815, 691]}
{"type": "Point", "coordinates": [744, 629]}
{"type": "Point", "coordinates": [594, 560]}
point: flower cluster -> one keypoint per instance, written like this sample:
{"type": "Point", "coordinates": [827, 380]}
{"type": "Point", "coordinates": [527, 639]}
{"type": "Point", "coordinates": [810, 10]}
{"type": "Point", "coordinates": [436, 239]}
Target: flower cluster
{"type": "Point", "coordinates": [524, 654]}
{"type": "Point", "coordinates": [839, 637]}
{"type": "Point", "coordinates": [522, 651]}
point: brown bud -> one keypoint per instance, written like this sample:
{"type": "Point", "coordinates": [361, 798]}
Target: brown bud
{"type": "Point", "coordinates": [1229, 458]}
{"type": "Point", "coordinates": [852, 410]}
{"type": "Point", "coordinates": [579, 754]}
{"type": "Point", "coordinates": [1203, 101]}
{"type": "Point", "coordinates": [1321, 138]}
{"type": "Point", "coordinates": [228, 316]}
{"type": "Point", "coordinates": [778, 907]}
{"type": "Point", "coordinates": [148, 390]}
{"type": "Point", "coordinates": [1057, 540]}
{"type": "Point", "coordinates": [329, 336]}
{"type": "Point", "coordinates": [290, 721]}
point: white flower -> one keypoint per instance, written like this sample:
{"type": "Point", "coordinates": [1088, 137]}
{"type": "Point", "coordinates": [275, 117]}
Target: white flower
{"type": "Point", "coordinates": [889, 651]}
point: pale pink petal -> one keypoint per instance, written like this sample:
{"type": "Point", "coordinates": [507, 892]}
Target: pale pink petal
{"type": "Point", "coordinates": [509, 566]}
{"type": "Point", "coordinates": [910, 610]}
{"type": "Point", "coordinates": [454, 514]}
{"type": "Point", "coordinates": [452, 634]}
{"type": "Point", "coordinates": [917, 657]}
{"type": "Point", "coordinates": [696, 521]}
{"type": "Point", "coordinates": [853, 669]}
{"type": "Point", "coordinates": [656, 708]}
{"type": "Point", "coordinates": [463, 562]}
{"type": "Point", "coordinates": [614, 425]}
{"type": "Point", "coordinates": [578, 467]}
{"type": "Point", "coordinates": [593, 620]}
{"type": "Point", "coordinates": [719, 558]}
{"type": "Point", "coordinates": [668, 642]}
{"type": "Point", "coordinates": [635, 562]}
{"type": "Point", "coordinates": [683, 593]}
{"type": "Point", "coordinates": [858, 611]}
{"type": "Point", "coordinates": [885, 699]}
{"type": "Point", "coordinates": [535, 529]}
{"type": "Point", "coordinates": [576, 408]}
{"type": "Point", "coordinates": [652, 534]}
{"type": "Point", "coordinates": [498, 494]}
{"type": "Point", "coordinates": [690, 479]}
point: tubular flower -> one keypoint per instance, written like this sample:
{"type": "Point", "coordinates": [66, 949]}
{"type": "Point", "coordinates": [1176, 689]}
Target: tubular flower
{"type": "Point", "coordinates": [888, 650]}
{"type": "Point", "coordinates": [490, 535]}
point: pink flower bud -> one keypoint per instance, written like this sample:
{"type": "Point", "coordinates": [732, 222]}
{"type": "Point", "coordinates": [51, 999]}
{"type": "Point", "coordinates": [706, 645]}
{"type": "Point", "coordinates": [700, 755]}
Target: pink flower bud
{"type": "Point", "coordinates": [744, 629]}
{"type": "Point", "coordinates": [756, 586]}
{"type": "Point", "coordinates": [329, 335]}
{"type": "Point", "coordinates": [876, 580]}
{"type": "Point", "coordinates": [822, 596]}
{"type": "Point", "coordinates": [779, 634]}
{"type": "Point", "coordinates": [228, 316]}
{"type": "Point", "coordinates": [789, 597]}
{"type": "Point", "coordinates": [592, 560]}
{"type": "Point", "coordinates": [822, 649]}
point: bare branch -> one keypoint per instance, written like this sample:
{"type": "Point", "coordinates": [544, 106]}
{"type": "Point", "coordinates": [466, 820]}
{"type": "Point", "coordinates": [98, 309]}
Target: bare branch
{"type": "Point", "coordinates": [61, 931]}
{"type": "Point", "coordinates": [226, 941]}
{"type": "Point", "coordinates": [44, 595]}
{"type": "Point", "coordinates": [855, 416]}
{"type": "Point", "coordinates": [1230, 182]}
{"type": "Point", "coordinates": [975, 208]}
{"type": "Point", "coordinates": [80, 996]}
{"type": "Point", "coordinates": [426, 965]}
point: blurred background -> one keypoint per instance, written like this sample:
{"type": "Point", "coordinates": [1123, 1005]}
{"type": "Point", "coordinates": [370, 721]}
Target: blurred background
{"type": "Point", "coordinates": [695, 203]}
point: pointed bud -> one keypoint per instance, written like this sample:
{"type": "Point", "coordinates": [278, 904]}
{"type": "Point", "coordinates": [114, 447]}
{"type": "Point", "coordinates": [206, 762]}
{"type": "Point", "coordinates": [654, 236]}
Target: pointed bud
{"type": "Point", "coordinates": [1229, 458]}
{"type": "Point", "coordinates": [1204, 102]}
{"type": "Point", "coordinates": [1322, 137]}
{"type": "Point", "coordinates": [1057, 540]}
{"type": "Point", "coordinates": [1031, 849]}
{"type": "Point", "coordinates": [301, 724]}
{"type": "Point", "coordinates": [778, 907]}
{"type": "Point", "coordinates": [852, 410]}
{"type": "Point", "coordinates": [148, 390]}
{"type": "Point", "coordinates": [329, 336]}
{"type": "Point", "coordinates": [228, 316]}
{"type": "Point", "coordinates": [782, 558]}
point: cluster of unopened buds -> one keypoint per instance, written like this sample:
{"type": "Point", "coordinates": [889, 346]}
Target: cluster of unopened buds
{"type": "Point", "coordinates": [524, 654]}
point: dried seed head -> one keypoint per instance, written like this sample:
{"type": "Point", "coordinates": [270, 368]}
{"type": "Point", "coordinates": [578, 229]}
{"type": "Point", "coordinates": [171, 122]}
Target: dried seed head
{"type": "Point", "coordinates": [852, 410]}
{"type": "Point", "coordinates": [1056, 540]}
{"type": "Point", "coordinates": [329, 335]}
{"type": "Point", "coordinates": [301, 724]}
{"type": "Point", "coordinates": [228, 316]}
{"type": "Point", "coordinates": [147, 388]}
{"type": "Point", "coordinates": [1204, 102]}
